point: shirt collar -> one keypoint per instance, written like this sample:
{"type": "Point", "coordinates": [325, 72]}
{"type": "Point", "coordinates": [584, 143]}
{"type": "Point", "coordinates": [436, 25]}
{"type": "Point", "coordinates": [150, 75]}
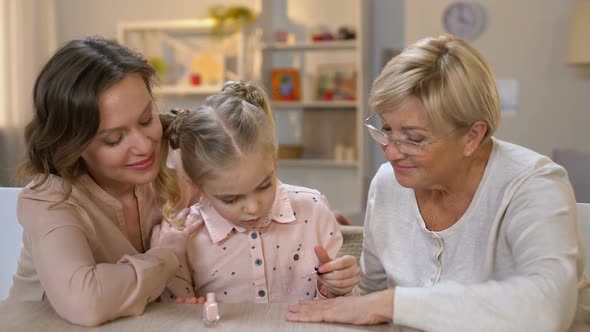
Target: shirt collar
{"type": "Point", "coordinates": [219, 228]}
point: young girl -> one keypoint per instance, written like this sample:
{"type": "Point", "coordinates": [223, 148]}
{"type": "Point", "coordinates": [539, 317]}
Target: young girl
{"type": "Point", "coordinates": [262, 240]}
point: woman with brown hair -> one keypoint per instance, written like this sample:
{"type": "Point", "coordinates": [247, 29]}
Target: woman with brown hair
{"type": "Point", "coordinates": [93, 154]}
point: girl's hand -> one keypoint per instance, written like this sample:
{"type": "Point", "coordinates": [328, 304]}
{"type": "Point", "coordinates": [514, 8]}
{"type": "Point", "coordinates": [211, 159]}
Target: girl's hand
{"type": "Point", "coordinates": [175, 239]}
{"type": "Point", "coordinates": [338, 276]}
{"type": "Point", "coordinates": [191, 300]}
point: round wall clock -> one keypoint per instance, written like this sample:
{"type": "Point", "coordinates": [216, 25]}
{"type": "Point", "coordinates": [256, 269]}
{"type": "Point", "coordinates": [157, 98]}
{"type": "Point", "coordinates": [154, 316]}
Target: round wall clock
{"type": "Point", "coordinates": [464, 19]}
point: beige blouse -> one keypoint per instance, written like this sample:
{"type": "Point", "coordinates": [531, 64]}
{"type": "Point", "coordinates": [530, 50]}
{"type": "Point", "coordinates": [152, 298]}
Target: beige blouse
{"type": "Point", "coordinates": [77, 254]}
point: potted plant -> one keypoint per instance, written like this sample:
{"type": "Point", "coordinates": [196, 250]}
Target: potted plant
{"type": "Point", "coordinates": [229, 20]}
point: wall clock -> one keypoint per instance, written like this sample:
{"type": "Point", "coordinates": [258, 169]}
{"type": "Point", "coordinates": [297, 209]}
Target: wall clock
{"type": "Point", "coordinates": [464, 19]}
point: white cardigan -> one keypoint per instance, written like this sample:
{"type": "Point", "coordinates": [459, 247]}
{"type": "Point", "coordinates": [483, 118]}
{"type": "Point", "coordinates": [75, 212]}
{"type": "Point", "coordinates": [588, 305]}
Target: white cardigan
{"type": "Point", "coordinates": [513, 262]}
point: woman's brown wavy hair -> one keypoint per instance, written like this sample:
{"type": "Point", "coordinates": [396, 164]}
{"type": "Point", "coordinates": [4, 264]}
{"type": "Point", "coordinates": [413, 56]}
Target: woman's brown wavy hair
{"type": "Point", "coordinates": [65, 96]}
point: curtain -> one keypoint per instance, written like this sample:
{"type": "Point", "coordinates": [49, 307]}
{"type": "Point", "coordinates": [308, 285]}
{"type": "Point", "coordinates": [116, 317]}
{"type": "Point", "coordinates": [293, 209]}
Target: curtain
{"type": "Point", "coordinates": [27, 38]}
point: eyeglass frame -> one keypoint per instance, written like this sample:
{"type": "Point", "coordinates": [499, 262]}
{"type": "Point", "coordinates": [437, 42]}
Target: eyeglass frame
{"type": "Point", "coordinates": [399, 141]}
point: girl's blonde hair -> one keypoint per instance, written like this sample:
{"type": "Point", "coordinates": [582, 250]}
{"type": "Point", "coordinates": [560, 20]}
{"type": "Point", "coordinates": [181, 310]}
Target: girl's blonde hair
{"type": "Point", "coordinates": [230, 124]}
{"type": "Point", "coordinates": [451, 79]}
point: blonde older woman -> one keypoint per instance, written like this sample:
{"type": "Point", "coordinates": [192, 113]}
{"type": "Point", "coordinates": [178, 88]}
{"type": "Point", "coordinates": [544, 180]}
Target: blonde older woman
{"type": "Point", "coordinates": [463, 231]}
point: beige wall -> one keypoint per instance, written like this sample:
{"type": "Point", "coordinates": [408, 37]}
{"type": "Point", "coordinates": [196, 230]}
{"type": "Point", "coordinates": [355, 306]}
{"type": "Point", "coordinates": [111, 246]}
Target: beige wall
{"type": "Point", "coordinates": [526, 40]}
{"type": "Point", "coordinates": [78, 18]}
{"type": "Point", "coordinates": [27, 35]}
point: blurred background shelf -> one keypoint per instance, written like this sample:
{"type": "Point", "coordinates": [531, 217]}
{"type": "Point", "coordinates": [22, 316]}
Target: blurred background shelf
{"type": "Point", "coordinates": [311, 46]}
{"type": "Point", "coordinates": [315, 163]}
{"type": "Point", "coordinates": [316, 104]}
{"type": "Point", "coordinates": [321, 126]}
{"type": "Point", "coordinates": [172, 90]}
{"type": "Point", "coordinates": [320, 91]}
{"type": "Point", "coordinates": [191, 64]}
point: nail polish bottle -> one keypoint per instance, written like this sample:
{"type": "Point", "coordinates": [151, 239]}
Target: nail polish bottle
{"type": "Point", "coordinates": [210, 311]}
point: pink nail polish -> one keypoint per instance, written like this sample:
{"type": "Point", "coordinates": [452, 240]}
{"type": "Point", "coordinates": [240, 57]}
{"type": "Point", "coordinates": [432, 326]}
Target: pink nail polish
{"type": "Point", "coordinates": [210, 311]}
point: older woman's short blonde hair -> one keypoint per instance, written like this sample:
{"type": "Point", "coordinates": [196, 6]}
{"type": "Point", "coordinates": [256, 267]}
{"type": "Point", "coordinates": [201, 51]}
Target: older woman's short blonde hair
{"type": "Point", "coordinates": [451, 79]}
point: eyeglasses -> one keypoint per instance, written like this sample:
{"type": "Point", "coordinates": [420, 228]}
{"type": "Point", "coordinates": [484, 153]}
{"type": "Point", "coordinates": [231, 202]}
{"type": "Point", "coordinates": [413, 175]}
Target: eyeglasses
{"type": "Point", "coordinates": [404, 146]}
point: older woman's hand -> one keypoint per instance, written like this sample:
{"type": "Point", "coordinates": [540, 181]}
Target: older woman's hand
{"type": "Point", "coordinates": [374, 308]}
{"type": "Point", "coordinates": [336, 276]}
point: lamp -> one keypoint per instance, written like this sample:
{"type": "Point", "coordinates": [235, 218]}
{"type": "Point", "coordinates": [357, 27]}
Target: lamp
{"type": "Point", "coordinates": [579, 39]}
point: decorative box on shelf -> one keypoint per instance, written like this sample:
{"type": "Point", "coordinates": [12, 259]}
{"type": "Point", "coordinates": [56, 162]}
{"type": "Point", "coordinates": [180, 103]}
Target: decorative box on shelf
{"type": "Point", "coordinates": [290, 151]}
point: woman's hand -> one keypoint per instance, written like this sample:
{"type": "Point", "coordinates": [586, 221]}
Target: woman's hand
{"type": "Point", "coordinates": [337, 276]}
{"type": "Point", "coordinates": [175, 239]}
{"type": "Point", "coordinates": [374, 308]}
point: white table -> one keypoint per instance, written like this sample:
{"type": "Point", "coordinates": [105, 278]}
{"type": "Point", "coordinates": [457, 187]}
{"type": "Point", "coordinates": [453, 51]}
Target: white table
{"type": "Point", "coordinates": [40, 316]}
